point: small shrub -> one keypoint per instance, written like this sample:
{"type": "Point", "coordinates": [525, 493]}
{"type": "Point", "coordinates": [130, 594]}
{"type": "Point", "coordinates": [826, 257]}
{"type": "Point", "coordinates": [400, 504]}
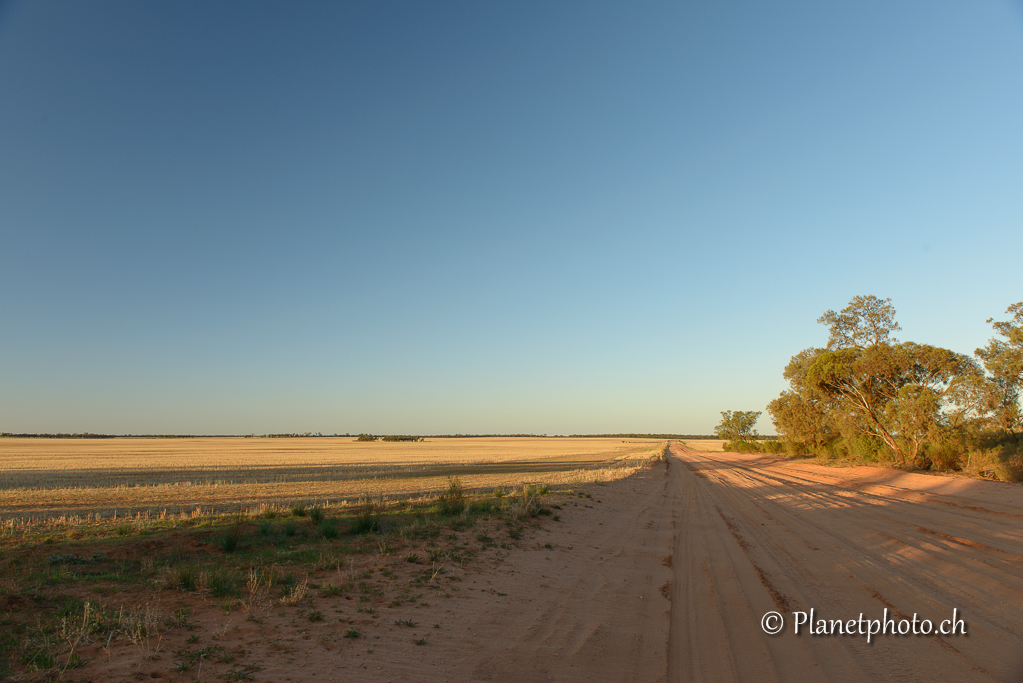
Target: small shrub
{"type": "Point", "coordinates": [38, 658]}
{"type": "Point", "coordinates": [328, 529]}
{"type": "Point", "coordinates": [481, 506]}
{"type": "Point", "coordinates": [352, 633]}
{"type": "Point", "coordinates": [529, 504]}
{"type": "Point", "coordinates": [123, 529]}
{"type": "Point", "coordinates": [187, 577]}
{"type": "Point", "coordinates": [452, 502]}
{"type": "Point", "coordinates": [315, 616]}
{"type": "Point", "coordinates": [365, 522]}
{"type": "Point", "coordinates": [265, 528]}
{"type": "Point", "coordinates": [179, 618]}
{"type": "Point", "coordinates": [231, 538]}
{"type": "Point", "coordinates": [290, 528]}
{"type": "Point", "coordinates": [292, 594]}
{"type": "Point", "coordinates": [298, 510]}
{"type": "Point", "coordinates": [218, 582]}
{"type": "Point", "coordinates": [500, 493]}
{"type": "Point", "coordinates": [413, 558]}
{"type": "Point", "coordinates": [946, 456]}
{"type": "Point", "coordinates": [741, 447]}
{"type": "Point", "coordinates": [1010, 469]}
{"type": "Point", "coordinates": [316, 514]}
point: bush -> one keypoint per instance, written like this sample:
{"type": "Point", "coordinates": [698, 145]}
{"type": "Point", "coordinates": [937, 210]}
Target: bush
{"type": "Point", "coordinates": [481, 506]}
{"type": "Point", "coordinates": [773, 447]}
{"type": "Point", "coordinates": [1010, 470]}
{"type": "Point", "coordinates": [452, 502]}
{"type": "Point", "coordinates": [866, 448]}
{"type": "Point", "coordinates": [794, 448]}
{"type": "Point", "coordinates": [231, 538]}
{"type": "Point", "coordinates": [366, 437]}
{"type": "Point", "coordinates": [741, 447]}
{"type": "Point", "coordinates": [298, 510]}
{"type": "Point", "coordinates": [218, 582]}
{"type": "Point", "coordinates": [922, 462]}
{"type": "Point", "coordinates": [328, 528]}
{"type": "Point", "coordinates": [529, 502]}
{"type": "Point", "coordinates": [1008, 461]}
{"type": "Point", "coordinates": [188, 578]}
{"type": "Point", "coordinates": [316, 514]}
{"type": "Point", "coordinates": [365, 522]}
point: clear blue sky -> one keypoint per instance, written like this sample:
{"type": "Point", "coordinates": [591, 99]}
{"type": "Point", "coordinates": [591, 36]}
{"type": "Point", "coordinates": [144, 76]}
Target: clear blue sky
{"type": "Point", "coordinates": [545, 217]}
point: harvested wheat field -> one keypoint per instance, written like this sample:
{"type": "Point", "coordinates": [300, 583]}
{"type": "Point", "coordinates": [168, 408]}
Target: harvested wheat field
{"type": "Point", "coordinates": [50, 479]}
{"type": "Point", "coordinates": [662, 575]}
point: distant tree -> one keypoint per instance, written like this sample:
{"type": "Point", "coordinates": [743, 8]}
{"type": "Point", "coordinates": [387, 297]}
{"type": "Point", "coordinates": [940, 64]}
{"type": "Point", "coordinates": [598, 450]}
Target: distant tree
{"type": "Point", "coordinates": [737, 425]}
{"type": "Point", "coordinates": [366, 437]}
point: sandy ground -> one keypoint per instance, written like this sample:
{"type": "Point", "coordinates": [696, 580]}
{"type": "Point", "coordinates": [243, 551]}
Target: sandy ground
{"type": "Point", "coordinates": [665, 576]}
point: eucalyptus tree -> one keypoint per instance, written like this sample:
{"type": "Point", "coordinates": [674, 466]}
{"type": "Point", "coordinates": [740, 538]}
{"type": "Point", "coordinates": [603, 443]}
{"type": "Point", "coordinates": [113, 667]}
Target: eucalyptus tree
{"type": "Point", "coordinates": [738, 425]}
{"type": "Point", "coordinates": [1003, 359]}
{"type": "Point", "coordinates": [867, 381]}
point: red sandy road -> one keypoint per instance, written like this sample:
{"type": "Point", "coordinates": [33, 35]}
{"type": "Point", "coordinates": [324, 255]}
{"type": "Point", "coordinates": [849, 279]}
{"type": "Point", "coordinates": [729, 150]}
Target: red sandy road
{"type": "Point", "coordinates": [757, 534]}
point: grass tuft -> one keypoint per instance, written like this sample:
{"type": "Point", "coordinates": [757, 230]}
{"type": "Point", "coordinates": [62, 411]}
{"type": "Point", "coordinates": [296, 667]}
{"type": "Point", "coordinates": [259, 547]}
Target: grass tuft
{"type": "Point", "coordinates": [452, 501]}
{"type": "Point", "coordinates": [187, 577]}
{"type": "Point", "coordinates": [231, 538]}
{"type": "Point", "coordinates": [365, 522]}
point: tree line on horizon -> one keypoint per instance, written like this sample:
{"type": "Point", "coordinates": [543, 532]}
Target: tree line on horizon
{"type": "Point", "coordinates": [870, 397]}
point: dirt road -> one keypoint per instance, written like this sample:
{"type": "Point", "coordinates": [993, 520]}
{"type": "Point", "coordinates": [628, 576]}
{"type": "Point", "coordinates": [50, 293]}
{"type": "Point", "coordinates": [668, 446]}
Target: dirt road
{"type": "Point", "coordinates": [756, 534]}
{"type": "Point", "coordinates": [748, 535]}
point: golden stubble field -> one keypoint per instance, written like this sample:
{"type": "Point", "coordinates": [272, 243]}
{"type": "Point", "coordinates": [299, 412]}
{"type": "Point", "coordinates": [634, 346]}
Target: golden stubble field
{"type": "Point", "coordinates": [70, 480]}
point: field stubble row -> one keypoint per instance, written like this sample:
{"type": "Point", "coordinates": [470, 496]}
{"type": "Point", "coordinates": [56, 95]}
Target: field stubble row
{"type": "Point", "coordinates": [65, 482]}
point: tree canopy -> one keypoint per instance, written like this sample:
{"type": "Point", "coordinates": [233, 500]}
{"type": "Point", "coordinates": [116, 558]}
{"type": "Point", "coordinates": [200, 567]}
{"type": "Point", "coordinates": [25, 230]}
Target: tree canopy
{"type": "Point", "coordinates": [870, 395]}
